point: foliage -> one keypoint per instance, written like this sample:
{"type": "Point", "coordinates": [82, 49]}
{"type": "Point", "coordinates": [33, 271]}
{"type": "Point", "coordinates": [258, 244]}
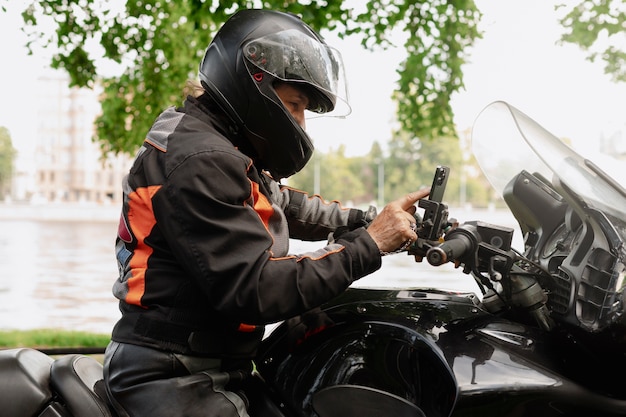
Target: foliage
{"type": "Point", "coordinates": [412, 167]}
{"type": "Point", "coordinates": [409, 166]}
{"type": "Point", "coordinates": [333, 175]}
{"type": "Point", "coordinates": [51, 338]}
{"type": "Point", "coordinates": [442, 31]}
{"type": "Point", "coordinates": [159, 43]}
{"type": "Point", "coordinates": [597, 26]}
{"type": "Point", "coordinates": [7, 159]}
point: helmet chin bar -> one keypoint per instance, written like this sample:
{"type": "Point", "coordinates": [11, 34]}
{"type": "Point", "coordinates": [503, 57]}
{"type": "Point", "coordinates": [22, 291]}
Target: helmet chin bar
{"type": "Point", "coordinates": [272, 159]}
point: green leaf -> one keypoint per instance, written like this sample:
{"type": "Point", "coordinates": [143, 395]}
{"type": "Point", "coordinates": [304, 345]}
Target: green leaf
{"type": "Point", "coordinates": [161, 42]}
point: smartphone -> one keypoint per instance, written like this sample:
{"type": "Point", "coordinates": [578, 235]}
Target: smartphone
{"type": "Point", "coordinates": [435, 212]}
{"type": "Point", "coordinates": [439, 183]}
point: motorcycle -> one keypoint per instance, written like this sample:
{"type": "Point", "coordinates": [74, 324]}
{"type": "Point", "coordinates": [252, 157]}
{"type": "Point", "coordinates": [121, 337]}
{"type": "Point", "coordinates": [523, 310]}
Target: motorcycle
{"type": "Point", "coordinates": [545, 336]}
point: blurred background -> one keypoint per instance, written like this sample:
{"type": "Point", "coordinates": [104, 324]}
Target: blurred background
{"type": "Point", "coordinates": [60, 189]}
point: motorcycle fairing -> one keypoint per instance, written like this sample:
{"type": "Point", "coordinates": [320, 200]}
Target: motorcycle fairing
{"type": "Point", "coordinates": [437, 350]}
{"type": "Point", "coordinates": [536, 172]}
{"type": "Point", "coordinates": [376, 339]}
{"type": "Point", "coordinates": [360, 401]}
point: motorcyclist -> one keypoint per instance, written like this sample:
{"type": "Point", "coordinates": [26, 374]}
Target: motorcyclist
{"type": "Point", "coordinates": [203, 238]}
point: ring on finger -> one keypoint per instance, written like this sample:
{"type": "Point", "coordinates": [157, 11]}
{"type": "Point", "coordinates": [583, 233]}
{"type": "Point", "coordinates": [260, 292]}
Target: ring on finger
{"type": "Point", "coordinates": [405, 245]}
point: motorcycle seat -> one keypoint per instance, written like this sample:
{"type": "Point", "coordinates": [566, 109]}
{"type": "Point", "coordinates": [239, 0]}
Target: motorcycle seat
{"type": "Point", "coordinates": [75, 378]}
{"type": "Point", "coordinates": [26, 392]}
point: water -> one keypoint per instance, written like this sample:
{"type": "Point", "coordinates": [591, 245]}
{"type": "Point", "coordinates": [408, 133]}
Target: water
{"type": "Point", "coordinates": [58, 274]}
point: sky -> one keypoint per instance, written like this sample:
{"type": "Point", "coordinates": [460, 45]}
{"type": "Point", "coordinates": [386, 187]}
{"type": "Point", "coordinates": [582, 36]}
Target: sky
{"type": "Point", "coordinates": [517, 60]}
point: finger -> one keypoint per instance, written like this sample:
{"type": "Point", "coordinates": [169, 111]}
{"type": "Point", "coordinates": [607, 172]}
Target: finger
{"type": "Point", "coordinates": [408, 200]}
{"type": "Point", "coordinates": [423, 193]}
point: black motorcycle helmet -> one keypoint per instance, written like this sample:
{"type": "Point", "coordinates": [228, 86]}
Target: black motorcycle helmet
{"type": "Point", "coordinates": [252, 51]}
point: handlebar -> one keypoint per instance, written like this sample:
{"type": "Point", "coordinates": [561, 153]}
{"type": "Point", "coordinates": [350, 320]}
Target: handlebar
{"type": "Point", "coordinates": [453, 248]}
{"type": "Point", "coordinates": [472, 244]}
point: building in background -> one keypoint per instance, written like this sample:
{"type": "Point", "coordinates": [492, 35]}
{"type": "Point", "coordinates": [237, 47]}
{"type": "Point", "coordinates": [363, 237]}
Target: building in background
{"type": "Point", "coordinates": [63, 164]}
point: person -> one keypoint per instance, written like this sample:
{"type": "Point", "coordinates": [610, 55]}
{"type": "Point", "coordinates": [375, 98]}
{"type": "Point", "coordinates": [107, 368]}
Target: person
{"type": "Point", "coordinates": [203, 240]}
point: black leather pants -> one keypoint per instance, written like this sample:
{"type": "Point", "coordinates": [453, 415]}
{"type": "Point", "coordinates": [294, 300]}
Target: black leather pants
{"type": "Point", "coordinates": [142, 381]}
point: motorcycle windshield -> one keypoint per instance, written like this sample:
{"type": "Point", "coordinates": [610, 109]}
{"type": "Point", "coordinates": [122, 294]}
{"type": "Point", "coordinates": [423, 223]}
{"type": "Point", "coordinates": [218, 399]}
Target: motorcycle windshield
{"type": "Point", "coordinates": [506, 141]}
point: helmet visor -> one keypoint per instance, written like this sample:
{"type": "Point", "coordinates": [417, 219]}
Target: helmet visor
{"type": "Point", "coordinates": [295, 57]}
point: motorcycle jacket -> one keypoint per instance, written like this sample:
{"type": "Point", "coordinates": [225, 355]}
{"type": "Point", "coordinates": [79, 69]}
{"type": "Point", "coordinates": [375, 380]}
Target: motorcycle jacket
{"type": "Point", "coordinates": [203, 239]}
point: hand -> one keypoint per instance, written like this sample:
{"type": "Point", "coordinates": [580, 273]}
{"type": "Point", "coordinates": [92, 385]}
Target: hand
{"type": "Point", "coordinates": [394, 226]}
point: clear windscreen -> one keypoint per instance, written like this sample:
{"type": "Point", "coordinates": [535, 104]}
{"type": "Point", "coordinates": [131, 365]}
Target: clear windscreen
{"type": "Point", "coordinates": [506, 141]}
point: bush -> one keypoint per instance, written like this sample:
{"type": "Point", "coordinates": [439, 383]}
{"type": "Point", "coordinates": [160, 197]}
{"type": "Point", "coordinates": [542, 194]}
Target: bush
{"type": "Point", "coordinates": [40, 338]}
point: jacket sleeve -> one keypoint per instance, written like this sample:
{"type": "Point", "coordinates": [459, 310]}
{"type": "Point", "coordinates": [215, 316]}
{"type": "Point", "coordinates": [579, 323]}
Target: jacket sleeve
{"type": "Point", "coordinates": [217, 231]}
{"type": "Point", "coordinates": [313, 218]}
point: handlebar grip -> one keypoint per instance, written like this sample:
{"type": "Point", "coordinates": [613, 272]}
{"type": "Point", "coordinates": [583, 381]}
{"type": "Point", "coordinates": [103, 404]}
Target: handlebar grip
{"type": "Point", "coordinates": [451, 249]}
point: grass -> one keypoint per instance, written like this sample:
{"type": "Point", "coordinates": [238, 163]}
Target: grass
{"type": "Point", "coordinates": [50, 338]}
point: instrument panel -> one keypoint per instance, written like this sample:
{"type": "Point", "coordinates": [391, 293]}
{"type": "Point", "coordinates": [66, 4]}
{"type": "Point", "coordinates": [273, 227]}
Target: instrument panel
{"type": "Point", "coordinates": [561, 241]}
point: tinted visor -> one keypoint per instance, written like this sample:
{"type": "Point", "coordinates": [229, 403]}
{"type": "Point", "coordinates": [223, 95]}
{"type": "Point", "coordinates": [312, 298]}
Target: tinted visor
{"type": "Point", "coordinates": [293, 56]}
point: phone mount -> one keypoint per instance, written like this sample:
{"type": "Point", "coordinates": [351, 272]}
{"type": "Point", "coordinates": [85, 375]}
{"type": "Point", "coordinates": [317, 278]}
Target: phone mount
{"type": "Point", "coordinates": [435, 219]}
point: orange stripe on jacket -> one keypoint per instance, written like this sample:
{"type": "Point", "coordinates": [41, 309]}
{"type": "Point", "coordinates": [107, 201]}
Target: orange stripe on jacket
{"type": "Point", "coordinates": [141, 219]}
{"type": "Point", "coordinates": [246, 328]}
{"type": "Point", "coordinates": [262, 205]}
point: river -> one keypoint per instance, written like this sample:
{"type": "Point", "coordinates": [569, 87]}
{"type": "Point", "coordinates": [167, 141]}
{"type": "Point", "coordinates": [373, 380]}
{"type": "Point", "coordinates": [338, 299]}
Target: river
{"type": "Point", "coordinates": [57, 273]}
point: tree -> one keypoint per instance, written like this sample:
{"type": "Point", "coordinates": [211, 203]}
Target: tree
{"type": "Point", "coordinates": [159, 44]}
{"type": "Point", "coordinates": [597, 26]}
{"type": "Point", "coordinates": [411, 164]}
{"type": "Point", "coordinates": [333, 175]}
{"type": "Point", "coordinates": [7, 157]}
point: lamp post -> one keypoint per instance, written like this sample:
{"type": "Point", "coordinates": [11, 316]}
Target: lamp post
{"type": "Point", "coordinates": [316, 175]}
{"type": "Point", "coordinates": [381, 181]}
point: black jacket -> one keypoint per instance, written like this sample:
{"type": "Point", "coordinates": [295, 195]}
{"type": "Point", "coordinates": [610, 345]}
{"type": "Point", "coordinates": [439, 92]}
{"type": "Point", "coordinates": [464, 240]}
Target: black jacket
{"type": "Point", "coordinates": [203, 243]}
